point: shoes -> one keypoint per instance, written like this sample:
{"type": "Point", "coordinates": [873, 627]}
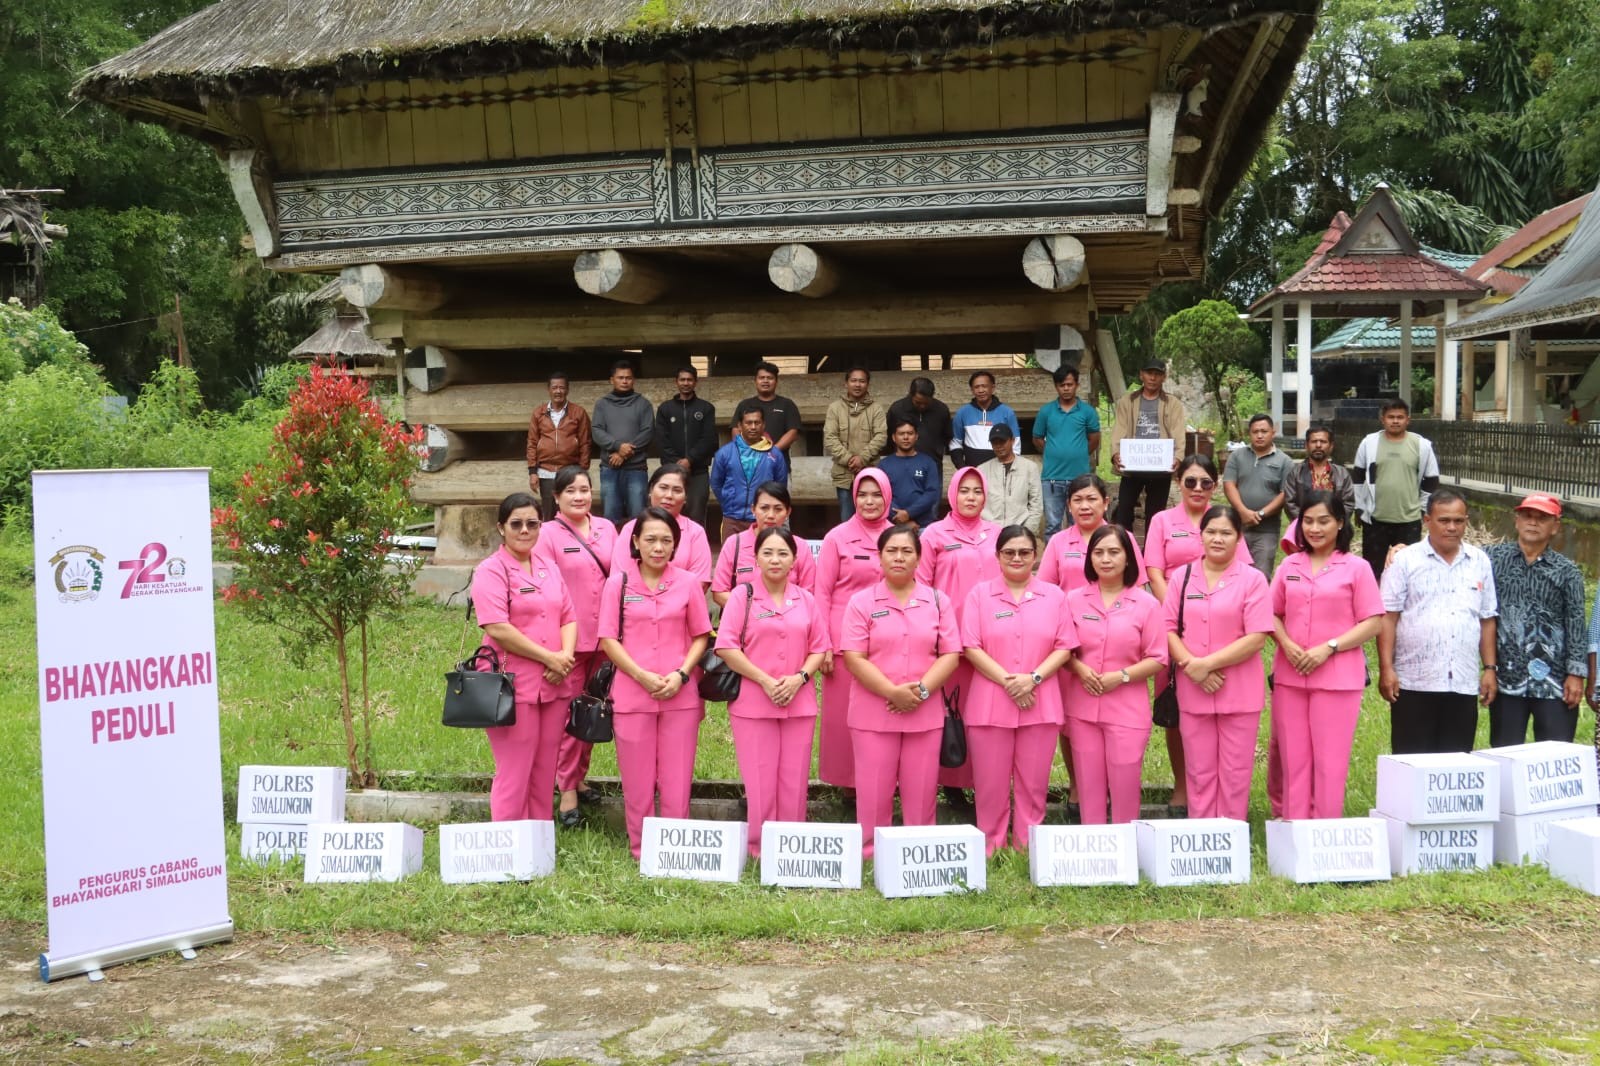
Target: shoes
{"type": "Point", "coordinates": [1177, 810]}
{"type": "Point", "coordinates": [570, 819]}
{"type": "Point", "coordinates": [588, 796]}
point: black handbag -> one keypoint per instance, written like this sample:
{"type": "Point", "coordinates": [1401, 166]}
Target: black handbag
{"type": "Point", "coordinates": [589, 713]}
{"type": "Point", "coordinates": [718, 681]}
{"type": "Point", "coordinates": [1164, 711]}
{"type": "Point", "coordinates": [953, 743]}
{"type": "Point", "coordinates": [478, 698]}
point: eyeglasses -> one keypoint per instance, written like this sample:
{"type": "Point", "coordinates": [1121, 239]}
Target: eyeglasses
{"type": "Point", "coordinates": [1016, 553]}
{"type": "Point", "coordinates": [1199, 483]}
{"type": "Point", "coordinates": [518, 525]}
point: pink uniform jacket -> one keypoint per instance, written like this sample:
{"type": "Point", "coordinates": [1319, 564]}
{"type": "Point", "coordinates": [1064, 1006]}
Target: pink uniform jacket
{"type": "Point", "coordinates": [1240, 603]}
{"type": "Point", "coordinates": [1066, 554]}
{"type": "Point", "coordinates": [693, 554]}
{"type": "Point", "coordinates": [536, 603]}
{"type": "Point", "coordinates": [1172, 540]}
{"type": "Point", "coordinates": [777, 637]}
{"type": "Point", "coordinates": [1112, 638]}
{"type": "Point", "coordinates": [561, 547]}
{"type": "Point", "coordinates": [657, 631]}
{"type": "Point", "coordinates": [958, 554]}
{"type": "Point", "coordinates": [848, 563]}
{"type": "Point", "coordinates": [740, 547]}
{"type": "Point", "coordinates": [902, 641]}
{"type": "Point", "coordinates": [1019, 635]}
{"type": "Point", "coordinates": [1316, 608]}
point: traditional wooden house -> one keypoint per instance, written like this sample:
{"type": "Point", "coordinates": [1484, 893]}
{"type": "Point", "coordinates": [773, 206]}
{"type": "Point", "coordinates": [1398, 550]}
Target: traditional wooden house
{"type": "Point", "coordinates": [25, 238]}
{"type": "Point", "coordinates": [511, 184]}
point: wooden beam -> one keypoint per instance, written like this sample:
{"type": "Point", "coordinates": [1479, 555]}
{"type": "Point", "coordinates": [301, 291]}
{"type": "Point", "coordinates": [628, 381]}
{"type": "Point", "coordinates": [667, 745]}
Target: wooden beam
{"type": "Point", "coordinates": [1158, 174]}
{"type": "Point", "coordinates": [1225, 124]}
{"type": "Point", "coordinates": [252, 190]}
{"type": "Point", "coordinates": [1055, 262]}
{"type": "Point", "coordinates": [392, 288]}
{"type": "Point", "coordinates": [617, 276]}
{"type": "Point", "coordinates": [1184, 144]}
{"type": "Point", "coordinates": [801, 269]}
{"type": "Point", "coordinates": [707, 322]}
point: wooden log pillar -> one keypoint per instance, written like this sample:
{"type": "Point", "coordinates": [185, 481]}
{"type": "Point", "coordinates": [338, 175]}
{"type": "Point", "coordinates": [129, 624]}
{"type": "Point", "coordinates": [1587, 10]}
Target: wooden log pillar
{"type": "Point", "coordinates": [372, 286]}
{"type": "Point", "coordinates": [802, 270]}
{"type": "Point", "coordinates": [1055, 262]}
{"type": "Point", "coordinates": [617, 276]}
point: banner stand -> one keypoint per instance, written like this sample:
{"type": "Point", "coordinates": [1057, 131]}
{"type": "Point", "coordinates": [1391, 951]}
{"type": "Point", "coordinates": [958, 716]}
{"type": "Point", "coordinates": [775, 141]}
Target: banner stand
{"type": "Point", "coordinates": [93, 962]}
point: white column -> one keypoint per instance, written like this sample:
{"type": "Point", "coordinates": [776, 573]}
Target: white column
{"type": "Point", "coordinates": [1303, 372]}
{"type": "Point", "coordinates": [1449, 387]}
{"type": "Point", "coordinates": [1405, 350]}
{"type": "Point", "coordinates": [1502, 378]}
{"type": "Point", "coordinates": [1275, 378]}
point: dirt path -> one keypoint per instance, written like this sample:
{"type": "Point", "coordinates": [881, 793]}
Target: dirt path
{"type": "Point", "coordinates": [1224, 989]}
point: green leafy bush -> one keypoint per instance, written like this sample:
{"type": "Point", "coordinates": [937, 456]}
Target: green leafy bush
{"type": "Point", "coordinates": [51, 419]}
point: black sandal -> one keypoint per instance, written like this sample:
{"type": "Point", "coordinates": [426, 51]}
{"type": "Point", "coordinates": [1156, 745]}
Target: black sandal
{"type": "Point", "coordinates": [588, 796]}
{"type": "Point", "coordinates": [570, 819]}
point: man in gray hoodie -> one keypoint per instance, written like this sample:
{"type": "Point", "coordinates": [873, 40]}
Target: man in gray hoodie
{"type": "Point", "coordinates": [623, 423]}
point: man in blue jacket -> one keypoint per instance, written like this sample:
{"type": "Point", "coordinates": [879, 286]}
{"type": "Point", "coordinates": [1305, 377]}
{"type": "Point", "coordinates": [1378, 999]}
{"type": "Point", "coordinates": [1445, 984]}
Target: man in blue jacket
{"type": "Point", "coordinates": [741, 466]}
{"type": "Point", "coordinates": [969, 445]}
{"type": "Point", "coordinates": [914, 477]}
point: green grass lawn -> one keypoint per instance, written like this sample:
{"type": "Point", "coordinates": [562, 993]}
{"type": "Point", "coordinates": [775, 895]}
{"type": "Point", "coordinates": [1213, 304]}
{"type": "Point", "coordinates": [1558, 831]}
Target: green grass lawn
{"type": "Point", "coordinates": [276, 712]}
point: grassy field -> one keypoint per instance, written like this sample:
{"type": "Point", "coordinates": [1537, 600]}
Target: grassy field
{"type": "Point", "coordinates": [274, 711]}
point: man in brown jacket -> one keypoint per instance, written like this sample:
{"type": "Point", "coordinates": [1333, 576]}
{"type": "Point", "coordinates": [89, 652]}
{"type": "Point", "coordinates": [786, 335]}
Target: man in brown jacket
{"type": "Point", "coordinates": [558, 436]}
{"type": "Point", "coordinates": [1148, 413]}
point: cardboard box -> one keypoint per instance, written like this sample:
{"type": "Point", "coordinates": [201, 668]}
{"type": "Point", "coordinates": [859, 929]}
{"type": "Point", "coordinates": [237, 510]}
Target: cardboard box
{"type": "Point", "coordinates": [291, 795]}
{"type": "Point", "coordinates": [811, 854]}
{"type": "Point", "coordinates": [362, 851]}
{"type": "Point", "coordinates": [1083, 855]}
{"type": "Point", "coordinates": [1574, 853]}
{"type": "Point", "coordinates": [1522, 839]}
{"type": "Point", "coordinates": [929, 860]}
{"type": "Point", "coordinates": [1194, 851]}
{"type": "Point", "coordinates": [1545, 776]}
{"type": "Point", "coordinates": [1434, 847]}
{"type": "Point", "coordinates": [1329, 849]}
{"type": "Point", "coordinates": [496, 851]}
{"type": "Point", "coordinates": [1434, 788]}
{"type": "Point", "coordinates": [694, 849]}
{"type": "Point", "coordinates": [266, 842]}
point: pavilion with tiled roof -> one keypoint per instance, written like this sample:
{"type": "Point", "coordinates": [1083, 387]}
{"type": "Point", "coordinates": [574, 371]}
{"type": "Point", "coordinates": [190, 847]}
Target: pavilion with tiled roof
{"type": "Point", "coordinates": [1367, 266]}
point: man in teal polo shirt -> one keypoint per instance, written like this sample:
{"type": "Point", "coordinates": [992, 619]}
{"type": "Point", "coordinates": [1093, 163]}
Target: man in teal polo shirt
{"type": "Point", "coordinates": [1067, 433]}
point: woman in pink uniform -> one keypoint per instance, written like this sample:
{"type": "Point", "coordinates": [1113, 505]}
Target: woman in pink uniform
{"type": "Point", "coordinates": [1227, 614]}
{"type": "Point", "coordinates": [669, 491]}
{"type": "Point", "coordinates": [1171, 540]}
{"type": "Point", "coordinates": [773, 636]}
{"type": "Point", "coordinates": [736, 562]}
{"type": "Point", "coordinates": [901, 644]}
{"type": "Point", "coordinates": [578, 543]}
{"type": "Point", "coordinates": [1327, 605]}
{"type": "Point", "coordinates": [1016, 633]}
{"type": "Point", "coordinates": [654, 626]}
{"type": "Point", "coordinates": [1122, 637]}
{"type": "Point", "coordinates": [1065, 563]}
{"type": "Point", "coordinates": [847, 564]}
{"type": "Point", "coordinates": [958, 553]}
{"type": "Point", "coordinates": [527, 616]}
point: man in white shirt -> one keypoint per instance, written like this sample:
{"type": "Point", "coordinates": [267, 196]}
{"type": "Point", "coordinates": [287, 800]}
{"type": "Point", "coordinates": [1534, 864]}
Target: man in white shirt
{"type": "Point", "coordinates": [1440, 625]}
{"type": "Point", "coordinates": [1016, 494]}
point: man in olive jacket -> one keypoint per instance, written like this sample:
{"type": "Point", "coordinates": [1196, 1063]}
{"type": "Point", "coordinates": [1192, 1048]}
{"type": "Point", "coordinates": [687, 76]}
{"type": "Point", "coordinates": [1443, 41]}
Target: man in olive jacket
{"type": "Point", "coordinates": [855, 432]}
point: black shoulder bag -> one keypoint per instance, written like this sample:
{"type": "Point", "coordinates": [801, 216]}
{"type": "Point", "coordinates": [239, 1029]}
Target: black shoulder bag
{"type": "Point", "coordinates": [718, 681]}
{"type": "Point", "coordinates": [1164, 711]}
{"type": "Point", "coordinates": [589, 713]}
{"type": "Point", "coordinates": [477, 694]}
{"type": "Point", "coordinates": [953, 743]}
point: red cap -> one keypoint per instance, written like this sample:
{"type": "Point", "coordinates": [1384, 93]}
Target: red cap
{"type": "Point", "coordinates": [1542, 502]}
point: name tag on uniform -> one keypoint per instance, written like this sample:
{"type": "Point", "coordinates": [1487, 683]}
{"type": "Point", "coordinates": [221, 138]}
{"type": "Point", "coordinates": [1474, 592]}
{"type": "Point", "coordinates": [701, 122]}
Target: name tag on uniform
{"type": "Point", "coordinates": [524, 590]}
{"type": "Point", "coordinates": [569, 551]}
{"type": "Point", "coordinates": [1180, 532]}
{"type": "Point", "coordinates": [744, 569]}
{"type": "Point", "coordinates": [1074, 555]}
{"type": "Point", "coordinates": [1291, 577]}
{"type": "Point", "coordinates": [1197, 595]}
{"type": "Point", "coordinates": [633, 599]}
{"type": "Point", "coordinates": [1005, 614]}
{"type": "Point", "coordinates": [880, 614]}
{"type": "Point", "coordinates": [766, 614]}
{"type": "Point", "coordinates": [950, 547]}
{"type": "Point", "coordinates": [862, 557]}
{"type": "Point", "coordinates": [1091, 618]}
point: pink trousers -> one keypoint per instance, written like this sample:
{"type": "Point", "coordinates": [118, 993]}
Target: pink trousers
{"type": "Point", "coordinates": [886, 760]}
{"type": "Point", "coordinates": [1007, 758]}
{"type": "Point", "coordinates": [1317, 729]}
{"type": "Point", "coordinates": [1220, 757]}
{"type": "Point", "coordinates": [1274, 763]}
{"type": "Point", "coordinates": [572, 761]}
{"type": "Point", "coordinates": [836, 759]}
{"type": "Point", "coordinates": [1108, 765]}
{"type": "Point", "coordinates": [655, 753]}
{"type": "Point", "coordinates": [959, 776]}
{"type": "Point", "coordinates": [525, 762]}
{"type": "Point", "coordinates": [775, 765]}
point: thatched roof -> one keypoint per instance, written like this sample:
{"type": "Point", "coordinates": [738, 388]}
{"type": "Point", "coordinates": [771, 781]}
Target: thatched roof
{"type": "Point", "coordinates": [343, 335]}
{"type": "Point", "coordinates": [256, 47]}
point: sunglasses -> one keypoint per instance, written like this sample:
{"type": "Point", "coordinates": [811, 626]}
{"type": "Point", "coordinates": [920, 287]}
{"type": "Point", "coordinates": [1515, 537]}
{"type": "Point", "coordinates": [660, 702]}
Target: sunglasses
{"type": "Point", "coordinates": [518, 525]}
{"type": "Point", "coordinates": [1016, 553]}
{"type": "Point", "coordinates": [1199, 483]}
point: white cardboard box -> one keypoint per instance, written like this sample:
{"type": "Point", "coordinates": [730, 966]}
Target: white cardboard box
{"type": "Point", "coordinates": [1545, 776]}
{"type": "Point", "coordinates": [1521, 839]}
{"type": "Point", "coordinates": [1434, 847]}
{"type": "Point", "coordinates": [299, 795]}
{"type": "Point", "coordinates": [693, 849]}
{"type": "Point", "coordinates": [362, 851]}
{"type": "Point", "coordinates": [1194, 851]}
{"type": "Point", "coordinates": [1431, 788]}
{"type": "Point", "coordinates": [263, 842]}
{"type": "Point", "coordinates": [1083, 855]}
{"type": "Point", "coordinates": [811, 854]}
{"type": "Point", "coordinates": [1328, 849]}
{"type": "Point", "coordinates": [929, 860]}
{"type": "Point", "coordinates": [496, 851]}
{"type": "Point", "coordinates": [1574, 854]}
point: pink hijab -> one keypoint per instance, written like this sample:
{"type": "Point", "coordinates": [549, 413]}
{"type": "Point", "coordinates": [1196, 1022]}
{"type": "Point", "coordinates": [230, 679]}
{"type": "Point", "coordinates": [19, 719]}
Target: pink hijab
{"type": "Point", "coordinates": [872, 530]}
{"type": "Point", "coordinates": [966, 528]}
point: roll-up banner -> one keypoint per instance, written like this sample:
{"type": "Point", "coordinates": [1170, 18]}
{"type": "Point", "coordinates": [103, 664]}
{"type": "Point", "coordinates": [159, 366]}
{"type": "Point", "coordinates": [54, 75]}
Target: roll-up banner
{"type": "Point", "coordinates": [135, 860]}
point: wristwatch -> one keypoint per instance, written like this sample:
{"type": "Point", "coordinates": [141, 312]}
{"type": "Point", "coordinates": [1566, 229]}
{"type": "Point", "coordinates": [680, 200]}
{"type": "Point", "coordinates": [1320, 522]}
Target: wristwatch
{"type": "Point", "coordinates": [922, 691]}
{"type": "Point", "coordinates": [805, 677]}
{"type": "Point", "coordinates": [1333, 645]}
{"type": "Point", "coordinates": [684, 675]}
{"type": "Point", "coordinates": [1127, 678]}
{"type": "Point", "coordinates": [1036, 677]}
{"type": "Point", "coordinates": [1492, 667]}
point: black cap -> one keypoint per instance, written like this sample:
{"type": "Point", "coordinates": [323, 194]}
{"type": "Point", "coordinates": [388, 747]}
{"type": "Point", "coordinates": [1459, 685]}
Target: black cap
{"type": "Point", "coordinates": [1001, 431]}
{"type": "Point", "coordinates": [1154, 364]}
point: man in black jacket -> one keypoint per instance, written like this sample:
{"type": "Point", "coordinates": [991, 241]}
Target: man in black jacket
{"type": "Point", "coordinates": [931, 417]}
{"type": "Point", "coordinates": [686, 434]}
